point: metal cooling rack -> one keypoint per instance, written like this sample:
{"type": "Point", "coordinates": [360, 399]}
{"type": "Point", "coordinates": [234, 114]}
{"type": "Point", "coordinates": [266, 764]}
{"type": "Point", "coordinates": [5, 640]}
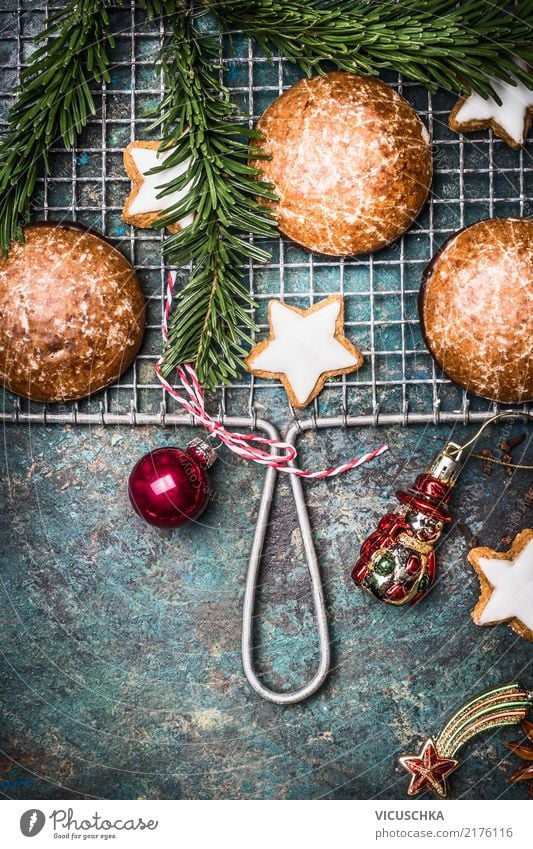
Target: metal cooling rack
{"type": "Point", "coordinates": [475, 178]}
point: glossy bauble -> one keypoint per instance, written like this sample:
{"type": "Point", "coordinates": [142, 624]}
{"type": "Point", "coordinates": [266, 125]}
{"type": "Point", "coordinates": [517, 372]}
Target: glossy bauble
{"type": "Point", "coordinates": [169, 487]}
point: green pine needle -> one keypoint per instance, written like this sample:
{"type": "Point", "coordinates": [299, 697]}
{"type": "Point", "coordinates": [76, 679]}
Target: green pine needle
{"type": "Point", "coordinates": [54, 102]}
{"type": "Point", "coordinates": [163, 8]}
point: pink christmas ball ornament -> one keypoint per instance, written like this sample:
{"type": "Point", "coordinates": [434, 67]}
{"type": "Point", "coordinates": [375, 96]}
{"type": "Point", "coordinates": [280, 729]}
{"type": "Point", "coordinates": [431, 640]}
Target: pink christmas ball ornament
{"type": "Point", "coordinates": [169, 487]}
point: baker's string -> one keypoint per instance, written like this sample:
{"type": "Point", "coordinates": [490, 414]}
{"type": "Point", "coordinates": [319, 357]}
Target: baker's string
{"type": "Point", "coordinates": [245, 445]}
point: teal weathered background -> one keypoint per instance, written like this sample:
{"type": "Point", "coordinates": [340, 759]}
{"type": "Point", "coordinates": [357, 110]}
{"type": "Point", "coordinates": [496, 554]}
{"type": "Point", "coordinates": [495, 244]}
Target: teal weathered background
{"type": "Point", "coordinates": [120, 647]}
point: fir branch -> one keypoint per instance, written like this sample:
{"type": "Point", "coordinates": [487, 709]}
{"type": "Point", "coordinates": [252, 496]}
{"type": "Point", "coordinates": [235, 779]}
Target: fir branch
{"type": "Point", "coordinates": [212, 317]}
{"type": "Point", "coordinates": [54, 102]}
{"type": "Point", "coordinates": [456, 45]}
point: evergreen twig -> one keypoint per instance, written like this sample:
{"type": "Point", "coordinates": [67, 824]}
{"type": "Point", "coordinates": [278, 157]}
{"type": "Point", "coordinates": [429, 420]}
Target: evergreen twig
{"type": "Point", "coordinates": [54, 102]}
{"type": "Point", "coordinates": [213, 313]}
{"type": "Point", "coordinates": [456, 45]}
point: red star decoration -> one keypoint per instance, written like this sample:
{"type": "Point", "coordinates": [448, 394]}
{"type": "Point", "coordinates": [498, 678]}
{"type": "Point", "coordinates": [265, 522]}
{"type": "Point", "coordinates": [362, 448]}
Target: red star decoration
{"type": "Point", "coordinates": [428, 769]}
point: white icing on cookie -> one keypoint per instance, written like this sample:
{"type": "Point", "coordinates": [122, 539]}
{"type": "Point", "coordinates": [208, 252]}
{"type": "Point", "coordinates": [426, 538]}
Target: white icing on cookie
{"type": "Point", "coordinates": [304, 347]}
{"type": "Point", "coordinates": [510, 116]}
{"type": "Point", "coordinates": [146, 200]}
{"type": "Point", "coordinates": [512, 596]}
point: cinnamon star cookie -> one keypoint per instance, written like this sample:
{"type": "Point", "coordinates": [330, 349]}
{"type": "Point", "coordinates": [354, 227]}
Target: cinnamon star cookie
{"type": "Point", "coordinates": [506, 582]}
{"type": "Point", "coordinates": [305, 348]}
{"type": "Point", "coordinates": [509, 120]}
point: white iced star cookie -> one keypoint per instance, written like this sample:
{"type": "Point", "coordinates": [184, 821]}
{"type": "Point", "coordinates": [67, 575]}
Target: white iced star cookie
{"type": "Point", "coordinates": [305, 348]}
{"type": "Point", "coordinates": [143, 207]}
{"type": "Point", "coordinates": [506, 583]}
{"type": "Point", "coordinates": [510, 121]}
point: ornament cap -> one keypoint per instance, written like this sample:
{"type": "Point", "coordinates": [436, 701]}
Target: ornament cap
{"type": "Point", "coordinates": [445, 466]}
{"type": "Point", "coordinates": [202, 452]}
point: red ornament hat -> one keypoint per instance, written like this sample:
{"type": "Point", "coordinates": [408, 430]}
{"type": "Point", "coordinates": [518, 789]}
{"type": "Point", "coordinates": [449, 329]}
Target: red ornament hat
{"type": "Point", "coordinates": [429, 496]}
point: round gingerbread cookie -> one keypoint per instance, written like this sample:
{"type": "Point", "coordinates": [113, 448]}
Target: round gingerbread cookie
{"type": "Point", "coordinates": [350, 161]}
{"type": "Point", "coordinates": [71, 313]}
{"type": "Point", "coordinates": [476, 312]}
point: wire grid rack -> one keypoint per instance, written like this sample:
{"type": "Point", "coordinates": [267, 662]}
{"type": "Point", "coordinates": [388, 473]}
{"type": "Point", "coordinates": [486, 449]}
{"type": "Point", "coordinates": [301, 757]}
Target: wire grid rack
{"type": "Point", "coordinates": [475, 178]}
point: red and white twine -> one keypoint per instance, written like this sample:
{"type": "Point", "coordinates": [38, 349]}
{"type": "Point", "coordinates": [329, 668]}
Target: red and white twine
{"type": "Point", "coordinates": [246, 445]}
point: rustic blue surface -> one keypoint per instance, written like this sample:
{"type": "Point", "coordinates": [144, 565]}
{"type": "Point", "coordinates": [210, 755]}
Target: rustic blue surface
{"type": "Point", "coordinates": [120, 644]}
